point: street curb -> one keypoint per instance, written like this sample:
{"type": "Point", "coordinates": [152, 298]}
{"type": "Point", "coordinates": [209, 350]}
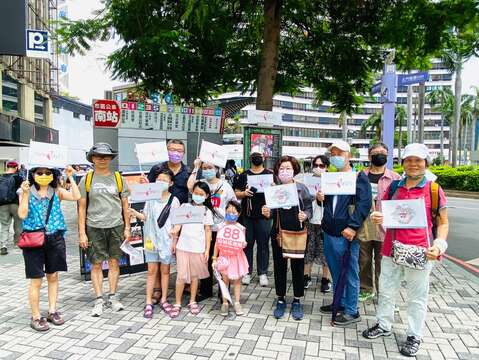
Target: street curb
{"type": "Point", "coordinates": [471, 276]}
{"type": "Point", "coordinates": [462, 194]}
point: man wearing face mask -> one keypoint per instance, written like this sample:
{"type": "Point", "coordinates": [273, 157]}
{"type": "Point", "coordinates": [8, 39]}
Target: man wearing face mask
{"type": "Point", "coordinates": [258, 228]}
{"type": "Point", "coordinates": [343, 216]}
{"type": "Point", "coordinates": [371, 237]}
{"type": "Point", "coordinates": [176, 152]}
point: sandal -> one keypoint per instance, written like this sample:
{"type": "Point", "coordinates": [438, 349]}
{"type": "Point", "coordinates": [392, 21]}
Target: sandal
{"type": "Point", "coordinates": [194, 308]}
{"type": "Point", "coordinates": [155, 300]}
{"type": "Point", "coordinates": [166, 306]}
{"type": "Point", "coordinates": [175, 311]}
{"type": "Point", "coordinates": [148, 311]}
{"type": "Point", "coordinates": [39, 324]}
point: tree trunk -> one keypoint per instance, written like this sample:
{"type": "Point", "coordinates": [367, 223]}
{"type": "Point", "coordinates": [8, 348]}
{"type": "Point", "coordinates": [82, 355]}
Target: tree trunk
{"type": "Point", "coordinates": [422, 94]}
{"type": "Point", "coordinates": [473, 137]}
{"type": "Point", "coordinates": [457, 112]}
{"type": "Point", "coordinates": [344, 125]}
{"type": "Point", "coordinates": [464, 146]}
{"type": "Point", "coordinates": [442, 138]}
{"type": "Point", "coordinates": [269, 55]}
{"type": "Point", "coordinates": [400, 141]}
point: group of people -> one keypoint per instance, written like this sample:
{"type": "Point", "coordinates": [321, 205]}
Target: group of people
{"type": "Point", "coordinates": [233, 210]}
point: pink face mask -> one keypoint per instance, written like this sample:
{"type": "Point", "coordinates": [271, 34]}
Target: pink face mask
{"type": "Point", "coordinates": [286, 175]}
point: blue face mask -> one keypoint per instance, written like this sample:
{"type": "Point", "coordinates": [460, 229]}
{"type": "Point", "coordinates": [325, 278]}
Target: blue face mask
{"type": "Point", "coordinates": [198, 199]}
{"type": "Point", "coordinates": [338, 162]}
{"type": "Point", "coordinates": [231, 217]}
{"type": "Point", "coordinates": [163, 185]}
{"type": "Point", "coordinates": [209, 174]}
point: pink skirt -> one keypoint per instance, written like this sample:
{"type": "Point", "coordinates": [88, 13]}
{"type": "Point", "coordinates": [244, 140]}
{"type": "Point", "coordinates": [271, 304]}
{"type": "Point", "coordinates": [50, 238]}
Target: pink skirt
{"type": "Point", "coordinates": [190, 266]}
{"type": "Point", "coordinates": [238, 266]}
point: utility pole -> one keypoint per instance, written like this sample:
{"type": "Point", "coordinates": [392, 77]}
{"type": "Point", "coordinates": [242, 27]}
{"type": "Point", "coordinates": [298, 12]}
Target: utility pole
{"type": "Point", "coordinates": [409, 114]}
{"type": "Point", "coordinates": [388, 98]}
{"type": "Point", "coordinates": [422, 94]}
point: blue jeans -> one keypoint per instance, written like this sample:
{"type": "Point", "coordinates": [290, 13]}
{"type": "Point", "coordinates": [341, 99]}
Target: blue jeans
{"type": "Point", "coordinates": [334, 249]}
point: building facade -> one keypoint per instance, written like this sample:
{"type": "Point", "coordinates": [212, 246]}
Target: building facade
{"type": "Point", "coordinates": [26, 85]}
{"type": "Point", "coordinates": [309, 128]}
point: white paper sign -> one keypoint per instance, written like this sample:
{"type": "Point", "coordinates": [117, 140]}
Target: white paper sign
{"type": "Point", "coordinates": [187, 214]}
{"type": "Point", "coordinates": [281, 196]}
{"type": "Point", "coordinates": [338, 183]}
{"type": "Point", "coordinates": [135, 254]}
{"type": "Point", "coordinates": [47, 155]}
{"type": "Point", "coordinates": [260, 182]}
{"type": "Point", "coordinates": [145, 192]}
{"type": "Point", "coordinates": [313, 183]}
{"type": "Point", "coordinates": [153, 152]}
{"type": "Point", "coordinates": [404, 214]}
{"type": "Point", "coordinates": [224, 289]}
{"type": "Point", "coordinates": [213, 154]}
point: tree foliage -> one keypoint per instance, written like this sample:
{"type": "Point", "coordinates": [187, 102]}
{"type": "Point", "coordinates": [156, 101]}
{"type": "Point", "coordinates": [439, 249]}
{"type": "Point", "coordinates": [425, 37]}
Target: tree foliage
{"type": "Point", "coordinates": [199, 48]}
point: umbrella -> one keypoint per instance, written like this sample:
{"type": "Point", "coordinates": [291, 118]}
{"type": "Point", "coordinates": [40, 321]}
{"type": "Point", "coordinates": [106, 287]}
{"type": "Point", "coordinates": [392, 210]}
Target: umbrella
{"type": "Point", "coordinates": [339, 288]}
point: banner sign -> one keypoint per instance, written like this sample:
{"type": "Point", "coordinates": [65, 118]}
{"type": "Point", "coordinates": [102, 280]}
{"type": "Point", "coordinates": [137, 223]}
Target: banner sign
{"type": "Point", "coordinates": [106, 113]}
{"type": "Point", "coordinates": [213, 154]}
{"type": "Point", "coordinates": [264, 118]}
{"type": "Point", "coordinates": [187, 214]}
{"type": "Point", "coordinates": [151, 153]}
{"type": "Point", "coordinates": [338, 183]}
{"type": "Point", "coordinates": [47, 155]}
{"type": "Point", "coordinates": [281, 196]}
{"type": "Point", "coordinates": [404, 214]}
{"type": "Point", "coordinates": [260, 182]}
{"type": "Point", "coordinates": [145, 192]}
{"type": "Point", "coordinates": [164, 117]}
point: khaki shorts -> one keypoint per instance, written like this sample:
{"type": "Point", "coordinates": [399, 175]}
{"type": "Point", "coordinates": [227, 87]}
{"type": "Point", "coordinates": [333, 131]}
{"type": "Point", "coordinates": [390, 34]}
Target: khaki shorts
{"type": "Point", "coordinates": [104, 244]}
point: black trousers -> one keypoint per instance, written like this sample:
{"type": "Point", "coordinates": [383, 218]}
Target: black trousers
{"type": "Point", "coordinates": [257, 230]}
{"type": "Point", "coordinates": [281, 269]}
{"type": "Point", "coordinates": [206, 285]}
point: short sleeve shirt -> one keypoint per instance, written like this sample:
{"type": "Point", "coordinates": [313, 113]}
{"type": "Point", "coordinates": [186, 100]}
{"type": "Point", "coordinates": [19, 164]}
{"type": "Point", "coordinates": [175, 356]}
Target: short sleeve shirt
{"type": "Point", "coordinates": [251, 207]}
{"type": "Point", "coordinates": [418, 237]}
{"type": "Point", "coordinates": [193, 236]}
{"type": "Point", "coordinates": [104, 203]}
{"type": "Point", "coordinates": [221, 194]}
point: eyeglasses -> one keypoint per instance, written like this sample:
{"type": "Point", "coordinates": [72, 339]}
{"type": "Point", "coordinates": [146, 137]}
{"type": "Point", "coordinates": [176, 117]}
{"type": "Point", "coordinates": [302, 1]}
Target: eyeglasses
{"type": "Point", "coordinates": [41, 173]}
{"type": "Point", "coordinates": [321, 166]}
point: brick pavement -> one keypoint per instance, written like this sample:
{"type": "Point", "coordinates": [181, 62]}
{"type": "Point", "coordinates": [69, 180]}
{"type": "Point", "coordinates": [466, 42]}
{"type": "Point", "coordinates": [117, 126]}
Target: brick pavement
{"type": "Point", "coordinates": [452, 330]}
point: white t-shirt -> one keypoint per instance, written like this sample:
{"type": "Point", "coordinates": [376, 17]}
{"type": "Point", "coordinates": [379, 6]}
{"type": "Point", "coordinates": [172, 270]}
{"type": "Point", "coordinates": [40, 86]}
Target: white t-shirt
{"type": "Point", "coordinates": [221, 194]}
{"type": "Point", "coordinates": [193, 237]}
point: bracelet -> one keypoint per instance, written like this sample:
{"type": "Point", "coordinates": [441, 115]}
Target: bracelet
{"type": "Point", "coordinates": [213, 258]}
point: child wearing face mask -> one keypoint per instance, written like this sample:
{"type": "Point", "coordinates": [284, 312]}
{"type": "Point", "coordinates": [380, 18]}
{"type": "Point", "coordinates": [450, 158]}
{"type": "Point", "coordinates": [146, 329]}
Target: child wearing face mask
{"type": "Point", "coordinates": [156, 231]}
{"type": "Point", "coordinates": [229, 258]}
{"type": "Point", "coordinates": [191, 244]}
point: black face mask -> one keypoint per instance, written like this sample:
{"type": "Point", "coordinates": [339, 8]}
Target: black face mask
{"type": "Point", "coordinates": [379, 159]}
{"type": "Point", "coordinates": [257, 160]}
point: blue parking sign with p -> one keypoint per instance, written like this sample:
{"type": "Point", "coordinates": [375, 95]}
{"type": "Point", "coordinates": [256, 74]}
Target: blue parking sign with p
{"type": "Point", "coordinates": [37, 43]}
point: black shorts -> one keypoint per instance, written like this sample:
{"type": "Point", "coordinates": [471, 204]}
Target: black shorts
{"type": "Point", "coordinates": [49, 259]}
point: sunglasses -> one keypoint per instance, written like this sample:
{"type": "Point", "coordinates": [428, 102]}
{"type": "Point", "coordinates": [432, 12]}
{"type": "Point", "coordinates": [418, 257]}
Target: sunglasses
{"type": "Point", "coordinates": [41, 173]}
{"type": "Point", "coordinates": [321, 166]}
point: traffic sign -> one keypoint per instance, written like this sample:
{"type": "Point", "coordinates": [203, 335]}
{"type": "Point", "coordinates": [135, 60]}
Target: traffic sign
{"type": "Point", "coordinates": [376, 89]}
{"type": "Point", "coordinates": [106, 113]}
{"type": "Point", "coordinates": [416, 78]}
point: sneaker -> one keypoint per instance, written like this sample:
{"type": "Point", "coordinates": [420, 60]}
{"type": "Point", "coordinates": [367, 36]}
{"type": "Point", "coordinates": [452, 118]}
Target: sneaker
{"type": "Point", "coordinates": [280, 309]}
{"type": "Point", "coordinates": [246, 279]}
{"type": "Point", "coordinates": [3, 251]}
{"type": "Point", "coordinates": [114, 303]}
{"type": "Point", "coordinates": [375, 332]}
{"type": "Point", "coordinates": [98, 307]}
{"type": "Point", "coordinates": [365, 295]}
{"type": "Point", "coordinates": [307, 281]}
{"type": "Point", "coordinates": [238, 309]}
{"type": "Point", "coordinates": [325, 285]}
{"type": "Point", "coordinates": [263, 280]}
{"type": "Point", "coordinates": [55, 318]}
{"type": "Point", "coordinates": [410, 347]}
{"type": "Point", "coordinates": [39, 324]}
{"type": "Point", "coordinates": [297, 311]}
{"type": "Point", "coordinates": [328, 309]}
{"type": "Point", "coordinates": [346, 319]}
{"type": "Point", "coordinates": [224, 309]}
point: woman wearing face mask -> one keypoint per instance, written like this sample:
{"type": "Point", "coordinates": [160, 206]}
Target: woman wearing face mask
{"type": "Point", "coordinates": [315, 248]}
{"type": "Point", "coordinates": [191, 244]}
{"type": "Point", "coordinates": [221, 194]}
{"type": "Point", "coordinates": [372, 237]}
{"type": "Point", "coordinates": [156, 232]}
{"type": "Point", "coordinates": [40, 209]}
{"type": "Point", "coordinates": [292, 219]}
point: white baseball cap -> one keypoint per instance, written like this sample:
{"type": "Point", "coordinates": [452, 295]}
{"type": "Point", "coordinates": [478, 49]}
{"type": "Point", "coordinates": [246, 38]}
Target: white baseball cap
{"type": "Point", "coordinates": [419, 150]}
{"type": "Point", "coordinates": [341, 145]}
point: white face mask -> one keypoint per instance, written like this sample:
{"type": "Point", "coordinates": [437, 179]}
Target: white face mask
{"type": "Point", "coordinates": [164, 186]}
{"type": "Point", "coordinates": [318, 171]}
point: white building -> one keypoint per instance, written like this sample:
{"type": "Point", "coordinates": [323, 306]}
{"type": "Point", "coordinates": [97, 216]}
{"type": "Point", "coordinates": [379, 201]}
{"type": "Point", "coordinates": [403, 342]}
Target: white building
{"type": "Point", "coordinates": [73, 120]}
{"type": "Point", "coordinates": [308, 129]}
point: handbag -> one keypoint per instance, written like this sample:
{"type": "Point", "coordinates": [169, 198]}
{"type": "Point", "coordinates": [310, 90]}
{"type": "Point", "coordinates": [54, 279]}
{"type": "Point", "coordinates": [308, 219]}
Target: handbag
{"type": "Point", "coordinates": [411, 256]}
{"type": "Point", "coordinates": [292, 243]}
{"type": "Point", "coordinates": [35, 238]}
{"type": "Point", "coordinates": [165, 213]}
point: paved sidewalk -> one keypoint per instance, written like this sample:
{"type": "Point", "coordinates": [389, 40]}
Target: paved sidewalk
{"type": "Point", "coordinates": [452, 326]}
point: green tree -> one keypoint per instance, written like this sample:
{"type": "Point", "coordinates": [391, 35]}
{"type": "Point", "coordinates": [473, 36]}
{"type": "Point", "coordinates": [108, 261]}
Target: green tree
{"type": "Point", "coordinates": [467, 118]}
{"type": "Point", "coordinates": [199, 48]}
{"type": "Point", "coordinates": [442, 100]}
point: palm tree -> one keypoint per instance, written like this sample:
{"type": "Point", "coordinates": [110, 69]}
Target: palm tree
{"type": "Point", "coordinates": [442, 100]}
{"type": "Point", "coordinates": [475, 112]}
{"type": "Point", "coordinates": [373, 123]}
{"type": "Point", "coordinates": [467, 117]}
{"type": "Point", "coordinates": [343, 122]}
{"type": "Point", "coordinates": [400, 118]}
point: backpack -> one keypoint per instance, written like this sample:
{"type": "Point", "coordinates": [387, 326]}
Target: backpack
{"type": "Point", "coordinates": [8, 191]}
{"type": "Point", "coordinates": [89, 179]}
{"type": "Point", "coordinates": [434, 189]}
